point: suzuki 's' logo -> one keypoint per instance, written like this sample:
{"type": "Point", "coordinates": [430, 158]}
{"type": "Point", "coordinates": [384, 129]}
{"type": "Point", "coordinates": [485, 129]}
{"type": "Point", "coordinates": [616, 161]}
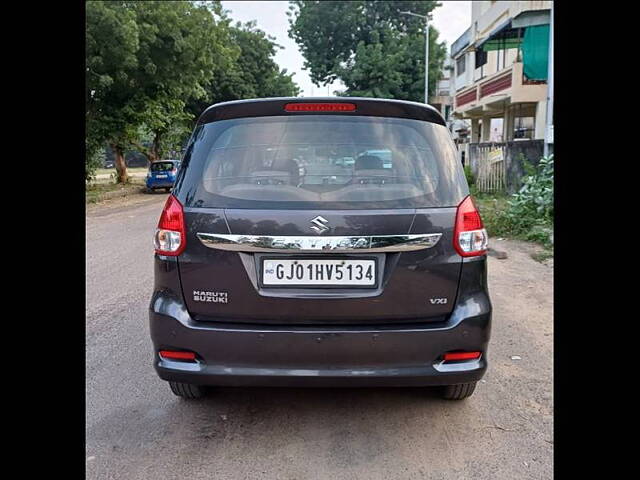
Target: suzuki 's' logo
{"type": "Point", "coordinates": [318, 224]}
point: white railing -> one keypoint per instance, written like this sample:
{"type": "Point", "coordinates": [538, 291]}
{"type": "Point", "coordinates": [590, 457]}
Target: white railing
{"type": "Point", "coordinates": [488, 163]}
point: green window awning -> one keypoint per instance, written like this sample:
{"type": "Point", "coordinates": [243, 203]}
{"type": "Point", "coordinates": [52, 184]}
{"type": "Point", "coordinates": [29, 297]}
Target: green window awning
{"type": "Point", "coordinates": [502, 37]}
{"type": "Point", "coordinates": [535, 52]}
{"type": "Point", "coordinates": [501, 44]}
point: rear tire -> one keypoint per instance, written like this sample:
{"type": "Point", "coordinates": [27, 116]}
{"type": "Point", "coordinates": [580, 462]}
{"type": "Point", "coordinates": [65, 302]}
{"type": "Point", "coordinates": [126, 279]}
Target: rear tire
{"type": "Point", "coordinates": [186, 390]}
{"type": "Point", "coordinates": [167, 190]}
{"type": "Point", "coordinates": [459, 392]}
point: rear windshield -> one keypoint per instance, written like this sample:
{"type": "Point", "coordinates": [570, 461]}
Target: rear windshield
{"type": "Point", "coordinates": [161, 166]}
{"type": "Point", "coordinates": [324, 161]}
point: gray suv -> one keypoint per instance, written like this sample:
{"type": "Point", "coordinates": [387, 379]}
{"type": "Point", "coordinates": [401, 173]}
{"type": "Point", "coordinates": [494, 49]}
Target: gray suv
{"type": "Point", "coordinates": [277, 263]}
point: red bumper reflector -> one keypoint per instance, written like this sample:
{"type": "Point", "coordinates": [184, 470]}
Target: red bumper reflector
{"type": "Point", "coordinates": [320, 107]}
{"type": "Point", "coordinates": [461, 356]}
{"type": "Point", "coordinates": [172, 355]}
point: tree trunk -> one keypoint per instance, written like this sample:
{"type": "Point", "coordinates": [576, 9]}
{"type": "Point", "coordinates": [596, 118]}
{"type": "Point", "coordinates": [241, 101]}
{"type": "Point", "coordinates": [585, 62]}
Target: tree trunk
{"type": "Point", "coordinates": [121, 166]}
{"type": "Point", "coordinates": [148, 154]}
{"type": "Point", "coordinates": [155, 148]}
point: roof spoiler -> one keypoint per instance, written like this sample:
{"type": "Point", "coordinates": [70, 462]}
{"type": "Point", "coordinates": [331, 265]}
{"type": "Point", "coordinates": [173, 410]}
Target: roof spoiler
{"type": "Point", "coordinates": [268, 107]}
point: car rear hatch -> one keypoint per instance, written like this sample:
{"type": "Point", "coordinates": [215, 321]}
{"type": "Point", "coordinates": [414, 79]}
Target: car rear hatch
{"type": "Point", "coordinates": [282, 229]}
{"type": "Point", "coordinates": [163, 171]}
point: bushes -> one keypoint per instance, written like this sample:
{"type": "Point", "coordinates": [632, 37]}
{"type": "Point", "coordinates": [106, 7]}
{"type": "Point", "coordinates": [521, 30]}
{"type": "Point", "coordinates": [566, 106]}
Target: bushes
{"type": "Point", "coordinates": [528, 213]}
{"type": "Point", "coordinates": [469, 174]}
{"type": "Point", "coordinates": [94, 161]}
{"type": "Point", "coordinates": [533, 203]}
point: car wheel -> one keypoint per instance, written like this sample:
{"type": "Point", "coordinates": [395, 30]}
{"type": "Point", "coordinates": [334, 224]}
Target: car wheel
{"type": "Point", "coordinates": [186, 390]}
{"type": "Point", "coordinates": [167, 189]}
{"type": "Point", "coordinates": [458, 392]}
{"type": "Point", "coordinates": [149, 190]}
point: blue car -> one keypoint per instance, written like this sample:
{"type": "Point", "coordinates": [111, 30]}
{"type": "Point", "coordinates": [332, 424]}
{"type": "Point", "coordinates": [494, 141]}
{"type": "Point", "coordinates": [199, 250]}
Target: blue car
{"type": "Point", "coordinates": [162, 174]}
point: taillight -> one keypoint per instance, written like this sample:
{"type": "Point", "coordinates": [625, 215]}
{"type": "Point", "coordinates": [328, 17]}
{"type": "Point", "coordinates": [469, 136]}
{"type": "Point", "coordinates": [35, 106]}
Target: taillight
{"type": "Point", "coordinates": [170, 238]}
{"type": "Point", "coordinates": [454, 356]}
{"type": "Point", "coordinates": [469, 236]}
{"type": "Point", "coordinates": [320, 107]}
{"type": "Point", "coordinates": [177, 355]}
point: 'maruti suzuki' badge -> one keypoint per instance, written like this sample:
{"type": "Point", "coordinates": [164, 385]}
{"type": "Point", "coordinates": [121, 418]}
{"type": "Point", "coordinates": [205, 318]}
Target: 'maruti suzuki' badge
{"type": "Point", "coordinates": [212, 297]}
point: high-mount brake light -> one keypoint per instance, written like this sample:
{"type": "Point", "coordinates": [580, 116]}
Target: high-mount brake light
{"type": "Point", "coordinates": [170, 238]}
{"type": "Point", "coordinates": [470, 238]}
{"type": "Point", "coordinates": [320, 107]}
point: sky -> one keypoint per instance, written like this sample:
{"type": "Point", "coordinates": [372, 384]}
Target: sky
{"type": "Point", "coordinates": [451, 20]}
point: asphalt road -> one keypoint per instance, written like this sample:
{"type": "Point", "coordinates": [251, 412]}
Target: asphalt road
{"type": "Point", "coordinates": [137, 429]}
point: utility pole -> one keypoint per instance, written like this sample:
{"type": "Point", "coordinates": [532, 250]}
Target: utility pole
{"type": "Point", "coordinates": [426, 52]}
{"type": "Point", "coordinates": [548, 134]}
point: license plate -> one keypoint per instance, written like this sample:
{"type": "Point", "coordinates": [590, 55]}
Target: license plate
{"type": "Point", "coordinates": [312, 272]}
{"type": "Point", "coordinates": [161, 176]}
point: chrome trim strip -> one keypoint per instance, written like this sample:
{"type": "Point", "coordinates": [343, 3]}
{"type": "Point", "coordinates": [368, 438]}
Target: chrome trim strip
{"type": "Point", "coordinates": [364, 244]}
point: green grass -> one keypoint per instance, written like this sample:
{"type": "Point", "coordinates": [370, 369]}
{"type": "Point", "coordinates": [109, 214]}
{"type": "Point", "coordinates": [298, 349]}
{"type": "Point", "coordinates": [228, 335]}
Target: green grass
{"type": "Point", "coordinates": [130, 170]}
{"type": "Point", "coordinates": [492, 206]}
{"type": "Point", "coordinates": [97, 192]}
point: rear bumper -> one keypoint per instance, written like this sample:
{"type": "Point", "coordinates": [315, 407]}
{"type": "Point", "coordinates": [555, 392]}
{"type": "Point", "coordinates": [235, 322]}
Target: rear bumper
{"type": "Point", "coordinates": [281, 377]}
{"type": "Point", "coordinates": [159, 183]}
{"type": "Point", "coordinates": [256, 355]}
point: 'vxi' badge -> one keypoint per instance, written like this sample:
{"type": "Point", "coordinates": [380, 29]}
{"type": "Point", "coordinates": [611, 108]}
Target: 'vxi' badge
{"type": "Point", "coordinates": [438, 301]}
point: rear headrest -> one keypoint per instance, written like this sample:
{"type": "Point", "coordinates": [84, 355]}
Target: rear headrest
{"type": "Point", "coordinates": [377, 172]}
{"type": "Point", "coordinates": [287, 164]}
{"type": "Point", "coordinates": [271, 177]}
{"type": "Point", "coordinates": [290, 166]}
{"type": "Point", "coordinates": [368, 162]}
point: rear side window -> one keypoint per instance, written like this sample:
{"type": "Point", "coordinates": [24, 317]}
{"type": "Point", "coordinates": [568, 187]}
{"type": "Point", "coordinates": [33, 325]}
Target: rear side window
{"type": "Point", "coordinates": [161, 166]}
{"type": "Point", "coordinates": [324, 161]}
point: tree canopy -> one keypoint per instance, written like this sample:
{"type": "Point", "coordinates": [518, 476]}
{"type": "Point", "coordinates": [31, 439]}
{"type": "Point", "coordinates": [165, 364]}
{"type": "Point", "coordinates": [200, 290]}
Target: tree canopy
{"type": "Point", "coordinates": [183, 49]}
{"type": "Point", "coordinates": [254, 74]}
{"type": "Point", "coordinates": [370, 46]}
{"type": "Point", "coordinates": [153, 66]}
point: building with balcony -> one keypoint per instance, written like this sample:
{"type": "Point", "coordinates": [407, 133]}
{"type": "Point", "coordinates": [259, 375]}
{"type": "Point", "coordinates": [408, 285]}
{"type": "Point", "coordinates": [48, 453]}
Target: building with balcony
{"type": "Point", "coordinates": [441, 98]}
{"type": "Point", "coordinates": [500, 71]}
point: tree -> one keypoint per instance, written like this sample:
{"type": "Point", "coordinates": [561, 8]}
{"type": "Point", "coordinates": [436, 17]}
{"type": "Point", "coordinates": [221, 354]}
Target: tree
{"type": "Point", "coordinates": [152, 66]}
{"type": "Point", "coordinates": [184, 48]}
{"type": "Point", "coordinates": [254, 74]}
{"type": "Point", "coordinates": [368, 45]}
{"type": "Point", "coordinates": [259, 72]}
{"type": "Point", "coordinates": [145, 61]}
{"type": "Point", "coordinates": [112, 41]}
